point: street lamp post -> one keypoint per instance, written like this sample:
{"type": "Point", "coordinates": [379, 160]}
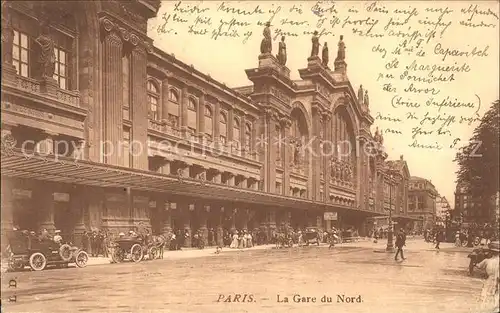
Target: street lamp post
{"type": "Point", "coordinates": [390, 246]}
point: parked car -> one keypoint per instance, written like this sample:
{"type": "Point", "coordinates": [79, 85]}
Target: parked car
{"type": "Point", "coordinates": [26, 250]}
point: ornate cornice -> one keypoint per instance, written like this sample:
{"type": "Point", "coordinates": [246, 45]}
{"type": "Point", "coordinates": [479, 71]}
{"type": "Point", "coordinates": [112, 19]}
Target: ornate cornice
{"type": "Point", "coordinates": [111, 25]}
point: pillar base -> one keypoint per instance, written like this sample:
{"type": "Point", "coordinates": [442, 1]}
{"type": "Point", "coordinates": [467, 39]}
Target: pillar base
{"type": "Point", "coordinates": [9, 74]}
{"type": "Point", "coordinates": [49, 86]}
{"type": "Point", "coordinates": [220, 234]}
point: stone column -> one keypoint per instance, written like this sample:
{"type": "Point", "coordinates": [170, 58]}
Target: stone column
{"type": "Point", "coordinates": [270, 150]}
{"type": "Point", "coordinates": [328, 137]}
{"type": "Point", "coordinates": [8, 70]}
{"type": "Point", "coordinates": [203, 216]}
{"type": "Point", "coordinates": [139, 108]}
{"type": "Point", "coordinates": [220, 229]}
{"type": "Point", "coordinates": [78, 205]}
{"type": "Point", "coordinates": [233, 219]}
{"type": "Point", "coordinates": [242, 138]}
{"type": "Point", "coordinates": [200, 129]}
{"type": "Point", "coordinates": [79, 150]}
{"type": "Point", "coordinates": [113, 96]}
{"type": "Point", "coordinates": [315, 183]}
{"type": "Point", "coordinates": [46, 145]}
{"type": "Point", "coordinates": [184, 110]}
{"type": "Point", "coordinates": [271, 220]}
{"type": "Point", "coordinates": [165, 93]}
{"type": "Point", "coordinates": [285, 124]}
{"type": "Point", "coordinates": [43, 196]}
{"type": "Point", "coordinates": [187, 209]}
{"type": "Point", "coordinates": [165, 167]}
{"type": "Point", "coordinates": [166, 217]}
{"type": "Point", "coordinates": [216, 120]}
{"type": "Point", "coordinates": [217, 177]}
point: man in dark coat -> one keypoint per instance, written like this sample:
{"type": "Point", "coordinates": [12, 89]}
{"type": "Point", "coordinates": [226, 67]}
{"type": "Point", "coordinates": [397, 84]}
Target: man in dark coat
{"type": "Point", "coordinates": [400, 242]}
{"type": "Point", "coordinates": [439, 238]}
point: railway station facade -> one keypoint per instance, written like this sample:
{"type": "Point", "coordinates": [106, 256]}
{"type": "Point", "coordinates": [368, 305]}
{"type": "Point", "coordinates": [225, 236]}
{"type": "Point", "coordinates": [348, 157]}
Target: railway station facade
{"type": "Point", "coordinates": [109, 131]}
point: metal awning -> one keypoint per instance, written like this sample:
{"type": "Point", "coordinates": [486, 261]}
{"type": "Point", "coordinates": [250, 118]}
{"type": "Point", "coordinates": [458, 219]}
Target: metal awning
{"type": "Point", "coordinates": [83, 172]}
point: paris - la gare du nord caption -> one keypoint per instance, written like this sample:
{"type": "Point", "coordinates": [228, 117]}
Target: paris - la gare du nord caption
{"type": "Point", "coordinates": [293, 298]}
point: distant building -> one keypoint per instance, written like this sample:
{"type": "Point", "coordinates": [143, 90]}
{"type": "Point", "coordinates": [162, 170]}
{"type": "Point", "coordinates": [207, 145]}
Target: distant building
{"type": "Point", "coordinates": [472, 210]}
{"type": "Point", "coordinates": [442, 207]}
{"type": "Point", "coordinates": [422, 203]}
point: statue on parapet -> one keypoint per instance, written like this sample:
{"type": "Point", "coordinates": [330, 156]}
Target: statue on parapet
{"type": "Point", "coordinates": [361, 94]}
{"type": "Point", "coordinates": [266, 45]}
{"type": "Point", "coordinates": [366, 99]}
{"type": "Point", "coordinates": [47, 56]}
{"type": "Point", "coordinates": [281, 56]}
{"type": "Point", "coordinates": [341, 50]}
{"type": "Point", "coordinates": [315, 44]}
{"type": "Point", "coordinates": [376, 136]}
{"type": "Point", "coordinates": [324, 55]}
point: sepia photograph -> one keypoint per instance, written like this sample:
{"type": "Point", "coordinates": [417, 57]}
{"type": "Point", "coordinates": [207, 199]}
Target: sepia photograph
{"type": "Point", "coordinates": [250, 156]}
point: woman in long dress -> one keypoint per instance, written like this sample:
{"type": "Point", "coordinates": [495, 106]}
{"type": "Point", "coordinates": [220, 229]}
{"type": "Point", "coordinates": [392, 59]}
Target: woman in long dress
{"type": "Point", "coordinates": [234, 243]}
{"type": "Point", "coordinates": [490, 300]}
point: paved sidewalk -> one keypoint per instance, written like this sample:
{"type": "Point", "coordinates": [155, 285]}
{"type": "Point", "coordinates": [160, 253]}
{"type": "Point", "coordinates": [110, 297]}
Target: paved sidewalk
{"type": "Point", "coordinates": [188, 253]}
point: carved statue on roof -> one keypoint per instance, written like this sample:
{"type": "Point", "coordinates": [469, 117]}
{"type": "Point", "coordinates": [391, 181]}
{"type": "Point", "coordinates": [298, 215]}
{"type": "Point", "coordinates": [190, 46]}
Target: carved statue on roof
{"type": "Point", "coordinates": [361, 96]}
{"type": "Point", "coordinates": [47, 56]}
{"type": "Point", "coordinates": [366, 100]}
{"type": "Point", "coordinates": [315, 44]}
{"type": "Point", "coordinates": [282, 51]}
{"type": "Point", "coordinates": [324, 55]}
{"type": "Point", "coordinates": [266, 45]}
{"type": "Point", "coordinates": [376, 136]}
{"type": "Point", "coordinates": [341, 50]}
{"type": "Point", "coordinates": [381, 139]}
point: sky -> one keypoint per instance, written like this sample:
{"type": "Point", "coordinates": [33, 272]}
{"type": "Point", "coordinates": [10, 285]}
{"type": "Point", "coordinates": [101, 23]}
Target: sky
{"type": "Point", "coordinates": [451, 37]}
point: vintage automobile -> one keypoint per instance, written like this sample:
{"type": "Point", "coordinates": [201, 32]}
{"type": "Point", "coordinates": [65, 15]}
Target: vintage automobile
{"type": "Point", "coordinates": [311, 235]}
{"type": "Point", "coordinates": [26, 250]}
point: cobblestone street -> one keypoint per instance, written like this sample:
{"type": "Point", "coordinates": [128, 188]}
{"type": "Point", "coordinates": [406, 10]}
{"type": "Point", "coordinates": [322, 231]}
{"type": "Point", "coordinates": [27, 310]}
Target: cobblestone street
{"type": "Point", "coordinates": [428, 281]}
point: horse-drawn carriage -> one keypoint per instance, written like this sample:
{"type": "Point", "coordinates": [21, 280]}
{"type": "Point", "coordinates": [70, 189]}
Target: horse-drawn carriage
{"type": "Point", "coordinates": [27, 250]}
{"type": "Point", "coordinates": [137, 246]}
{"type": "Point", "coordinates": [311, 235]}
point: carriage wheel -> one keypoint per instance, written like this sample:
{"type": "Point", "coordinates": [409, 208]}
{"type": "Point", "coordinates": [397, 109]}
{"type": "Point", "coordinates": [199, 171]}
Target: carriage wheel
{"type": "Point", "coordinates": [65, 252]}
{"type": "Point", "coordinates": [14, 266]}
{"type": "Point", "coordinates": [38, 261]}
{"type": "Point", "coordinates": [81, 258]}
{"type": "Point", "coordinates": [136, 253]}
{"type": "Point", "coordinates": [153, 253]}
{"type": "Point", "coordinates": [118, 255]}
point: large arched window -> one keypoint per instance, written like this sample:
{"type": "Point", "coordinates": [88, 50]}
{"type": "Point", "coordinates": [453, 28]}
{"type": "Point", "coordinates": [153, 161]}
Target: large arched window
{"type": "Point", "coordinates": [299, 134]}
{"type": "Point", "coordinates": [344, 135]}
{"type": "Point", "coordinates": [223, 127]}
{"type": "Point", "coordinates": [346, 143]}
{"type": "Point", "coordinates": [236, 132]}
{"type": "Point", "coordinates": [209, 126]}
{"type": "Point", "coordinates": [248, 137]}
{"type": "Point", "coordinates": [192, 115]}
{"type": "Point", "coordinates": [173, 107]}
{"type": "Point", "coordinates": [153, 100]}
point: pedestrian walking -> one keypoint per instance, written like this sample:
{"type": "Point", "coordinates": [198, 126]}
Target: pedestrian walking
{"type": "Point", "coordinates": [400, 243]}
{"type": "Point", "coordinates": [439, 238]}
{"type": "Point", "coordinates": [490, 298]}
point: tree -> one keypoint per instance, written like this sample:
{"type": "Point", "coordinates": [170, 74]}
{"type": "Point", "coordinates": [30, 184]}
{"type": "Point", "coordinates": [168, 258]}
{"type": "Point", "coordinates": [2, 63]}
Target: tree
{"type": "Point", "coordinates": [479, 160]}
